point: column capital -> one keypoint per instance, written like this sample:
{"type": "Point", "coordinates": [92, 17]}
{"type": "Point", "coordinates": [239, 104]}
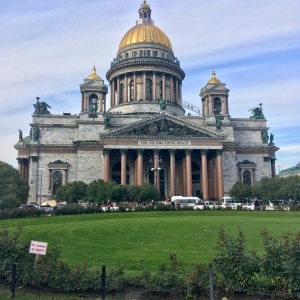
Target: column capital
{"type": "Point", "coordinates": [106, 151]}
{"type": "Point", "coordinates": [172, 151]}
{"type": "Point", "coordinates": [22, 160]}
{"type": "Point", "coordinates": [188, 151]}
{"type": "Point", "coordinates": [156, 151]}
{"type": "Point", "coordinates": [219, 151]}
{"type": "Point", "coordinates": [34, 158]}
{"type": "Point", "coordinates": [123, 151]}
{"type": "Point", "coordinates": [203, 151]}
{"type": "Point", "coordinates": [140, 151]}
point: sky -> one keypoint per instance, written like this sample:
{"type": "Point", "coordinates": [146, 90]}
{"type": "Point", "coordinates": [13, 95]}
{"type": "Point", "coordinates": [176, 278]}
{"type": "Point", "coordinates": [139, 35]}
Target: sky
{"type": "Point", "coordinates": [49, 47]}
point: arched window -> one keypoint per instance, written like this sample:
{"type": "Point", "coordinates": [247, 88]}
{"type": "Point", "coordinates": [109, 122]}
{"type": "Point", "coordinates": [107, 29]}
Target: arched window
{"type": "Point", "coordinates": [131, 90]}
{"type": "Point", "coordinates": [57, 180]}
{"type": "Point", "coordinates": [247, 177]}
{"type": "Point", "coordinates": [93, 103]}
{"type": "Point", "coordinates": [121, 93]}
{"type": "Point", "coordinates": [217, 106]}
{"type": "Point", "coordinates": [148, 89]}
{"type": "Point", "coordinates": [160, 89]}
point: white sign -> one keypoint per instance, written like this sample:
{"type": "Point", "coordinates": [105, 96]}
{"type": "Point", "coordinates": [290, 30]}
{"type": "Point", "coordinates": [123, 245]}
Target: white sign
{"type": "Point", "coordinates": [39, 248]}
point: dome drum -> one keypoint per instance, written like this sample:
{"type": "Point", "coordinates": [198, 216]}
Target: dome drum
{"type": "Point", "coordinates": [148, 86]}
{"type": "Point", "coordinates": [145, 64]}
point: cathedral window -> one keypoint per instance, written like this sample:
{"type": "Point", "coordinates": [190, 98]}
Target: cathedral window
{"type": "Point", "coordinates": [126, 55]}
{"type": "Point", "coordinates": [247, 177]}
{"type": "Point", "coordinates": [93, 103]}
{"type": "Point", "coordinates": [121, 92]}
{"type": "Point", "coordinates": [58, 171]}
{"type": "Point", "coordinates": [141, 52]}
{"type": "Point", "coordinates": [163, 54]}
{"type": "Point", "coordinates": [247, 172]}
{"type": "Point", "coordinates": [217, 106]}
{"type": "Point", "coordinates": [131, 90]}
{"type": "Point", "coordinates": [148, 89]}
{"type": "Point", "coordinates": [155, 53]}
{"type": "Point", "coordinates": [160, 89]}
{"type": "Point", "coordinates": [148, 53]}
{"type": "Point", "coordinates": [57, 180]}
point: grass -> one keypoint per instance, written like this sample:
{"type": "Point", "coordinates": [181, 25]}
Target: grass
{"type": "Point", "coordinates": [145, 240]}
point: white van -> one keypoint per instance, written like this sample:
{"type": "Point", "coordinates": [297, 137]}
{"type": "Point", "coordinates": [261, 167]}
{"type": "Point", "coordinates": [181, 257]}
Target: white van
{"type": "Point", "coordinates": [185, 201]}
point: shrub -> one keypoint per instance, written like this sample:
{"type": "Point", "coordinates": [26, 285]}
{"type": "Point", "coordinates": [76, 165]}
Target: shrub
{"type": "Point", "coordinates": [281, 263]}
{"type": "Point", "coordinates": [235, 266]}
{"type": "Point", "coordinates": [295, 207]}
{"type": "Point", "coordinates": [19, 213]}
{"type": "Point", "coordinates": [168, 277]}
{"type": "Point", "coordinates": [197, 281]}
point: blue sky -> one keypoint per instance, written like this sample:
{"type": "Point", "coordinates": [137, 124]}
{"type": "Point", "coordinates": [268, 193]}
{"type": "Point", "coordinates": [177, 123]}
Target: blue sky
{"type": "Point", "coordinates": [49, 47]}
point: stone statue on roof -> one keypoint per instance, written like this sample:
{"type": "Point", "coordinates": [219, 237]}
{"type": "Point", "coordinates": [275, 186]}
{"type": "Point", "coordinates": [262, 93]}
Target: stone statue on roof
{"type": "Point", "coordinates": [20, 135]}
{"type": "Point", "coordinates": [106, 121]}
{"type": "Point", "coordinates": [163, 104]}
{"type": "Point", "coordinates": [218, 123]}
{"type": "Point", "coordinates": [271, 138]}
{"type": "Point", "coordinates": [41, 108]}
{"type": "Point", "coordinates": [257, 112]}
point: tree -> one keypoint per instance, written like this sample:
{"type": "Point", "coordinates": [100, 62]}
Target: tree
{"type": "Point", "coordinates": [268, 189]}
{"type": "Point", "coordinates": [290, 188]}
{"type": "Point", "coordinates": [100, 191]}
{"type": "Point", "coordinates": [12, 186]}
{"type": "Point", "coordinates": [72, 192]}
{"type": "Point", "coordinates": [119, 193]}
{"type": "Point", "coordinates": [144, 193]}
{"type": "Point", "coordinates": [241, 192]}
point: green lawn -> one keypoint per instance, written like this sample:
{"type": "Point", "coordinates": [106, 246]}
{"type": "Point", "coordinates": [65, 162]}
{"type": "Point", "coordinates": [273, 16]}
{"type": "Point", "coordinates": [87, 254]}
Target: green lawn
{"type": "Point", "coordinates": [146, 239]}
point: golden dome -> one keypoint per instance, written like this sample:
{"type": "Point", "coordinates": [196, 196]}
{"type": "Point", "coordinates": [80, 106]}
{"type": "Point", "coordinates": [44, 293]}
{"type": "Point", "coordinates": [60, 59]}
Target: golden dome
{"type": "Point", "coordinates": [145, 33]}
{"type": "Point", "coordinates": [94, 75]}
{"type": "Point", "coordinates": [213, 79]}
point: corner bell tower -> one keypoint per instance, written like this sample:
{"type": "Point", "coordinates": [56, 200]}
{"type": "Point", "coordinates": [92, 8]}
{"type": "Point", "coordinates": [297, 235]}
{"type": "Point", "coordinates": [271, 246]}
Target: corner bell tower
{"type": "Point", "coordinates": [214, 97]}
{"type": "Point", "coordinates": [93, 94]}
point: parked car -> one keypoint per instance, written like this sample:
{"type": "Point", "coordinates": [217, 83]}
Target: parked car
{"type": "Point", "coordinates": [248, 206]}
{"type": "Point", "coordinates": [28, 206]}
{"type": "Point", "coordinates": [61, 205]}
{"type": "Point", "coordinates": [47, 208]}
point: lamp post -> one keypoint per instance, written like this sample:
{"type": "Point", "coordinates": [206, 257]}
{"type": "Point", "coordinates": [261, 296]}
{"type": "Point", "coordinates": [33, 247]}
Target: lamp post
{"type": "Point", "coordinates": [41, 170]}
{"type": "Point", "coordinates": [156, 169]}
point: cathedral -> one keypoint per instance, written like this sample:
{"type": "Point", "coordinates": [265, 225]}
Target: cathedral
{"type": "Point", "coordinates": [144, 132]}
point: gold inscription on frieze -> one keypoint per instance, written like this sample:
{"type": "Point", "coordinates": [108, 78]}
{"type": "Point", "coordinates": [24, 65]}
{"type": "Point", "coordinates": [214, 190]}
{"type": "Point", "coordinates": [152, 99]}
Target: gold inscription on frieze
{"type": "Point", "coordinates": [164, 143]}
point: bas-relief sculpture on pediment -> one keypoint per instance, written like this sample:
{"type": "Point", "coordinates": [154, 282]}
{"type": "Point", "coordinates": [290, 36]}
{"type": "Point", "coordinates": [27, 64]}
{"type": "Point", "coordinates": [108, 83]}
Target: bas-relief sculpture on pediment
{"type": "Point", "coordinates": [163, 128]}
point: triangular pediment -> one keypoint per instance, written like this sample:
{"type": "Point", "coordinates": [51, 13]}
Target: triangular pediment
{"type": "Point", "coordinates": [163, 126]}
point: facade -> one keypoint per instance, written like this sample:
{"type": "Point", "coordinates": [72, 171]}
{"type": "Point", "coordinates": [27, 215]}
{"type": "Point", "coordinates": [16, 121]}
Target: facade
{"type": "Point", "coordinates": [145, 134]}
